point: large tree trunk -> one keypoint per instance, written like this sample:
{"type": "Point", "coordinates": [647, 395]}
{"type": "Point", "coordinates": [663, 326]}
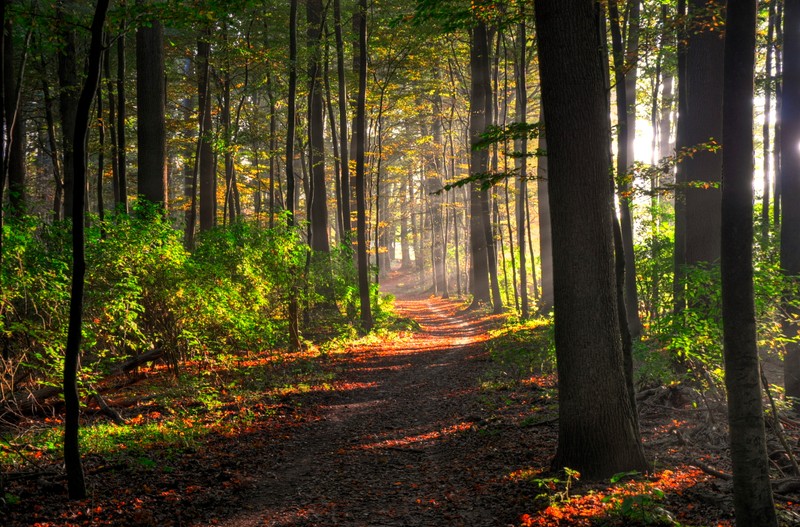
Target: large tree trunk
{"type": "Point", "coordinates": [752, 494]}
{"type": "Point", "coordinates": [604, 441]}
{"type": "Point", "coordinates": [316, 123]}
{"type": "Point", "coordinates": [790, 194]}
{"type": "Point", "coordinates": [702, 172]}
{"type": "Point", "coordinates": [72, 457]}
{"type": "Point", "coordinates": [479, 162]}
{"type": "Point", "coordinates": [151, 129]}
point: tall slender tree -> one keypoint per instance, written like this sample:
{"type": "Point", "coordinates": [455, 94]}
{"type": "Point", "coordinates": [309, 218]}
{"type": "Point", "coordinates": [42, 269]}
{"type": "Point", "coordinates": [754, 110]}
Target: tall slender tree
{"type": "Point", "coordinates": [72, 457]}
{"type": "Point", "coordinates": [790, 193]}
{"type": "Point", "coordinates": [752, 493]}
{"type": "Point", "coordinates": [360, 132]}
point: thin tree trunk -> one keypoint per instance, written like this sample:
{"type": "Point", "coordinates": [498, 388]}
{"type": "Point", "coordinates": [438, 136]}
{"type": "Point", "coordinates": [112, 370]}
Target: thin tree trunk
{"type": "Point", "coordinates": [72, 457]}
{"type": "Point", "coordinates": [344, 185]}
{"type": "Point", "coordinates": [522, 160]}
{"type": "Point", "coordinates": [293, 308]}
{"type": "Point", "coordinates": [624, 137]}
{"type": "Point", "coordinates": [767, 187]}
{"type": "Point", "coordinates": [361, 133]}
{"type": "Point", "coordinates": [752, 493]}
{"type": "Point", "coordinates": [122, 177]}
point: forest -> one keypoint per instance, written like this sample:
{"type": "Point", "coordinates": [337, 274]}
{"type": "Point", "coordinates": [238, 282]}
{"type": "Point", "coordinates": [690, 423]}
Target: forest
{"type": "Point", "coordinates": [387, 263]}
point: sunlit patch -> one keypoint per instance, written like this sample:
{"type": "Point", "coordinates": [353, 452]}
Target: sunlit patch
{"type": "Point", "coordinates": [583, 511]}
{"type": "Point", "coordinates": [408, 441]}
{"type": "Point", "coordinates": [541, 380]}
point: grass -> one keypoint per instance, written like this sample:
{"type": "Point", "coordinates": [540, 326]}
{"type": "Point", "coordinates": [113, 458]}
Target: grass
{"type": "Point", "coordinates": [519, 351]}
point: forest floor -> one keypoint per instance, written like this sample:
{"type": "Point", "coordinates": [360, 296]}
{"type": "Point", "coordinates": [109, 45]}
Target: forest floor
{"type": "Point", "coordinates": [416, 430]}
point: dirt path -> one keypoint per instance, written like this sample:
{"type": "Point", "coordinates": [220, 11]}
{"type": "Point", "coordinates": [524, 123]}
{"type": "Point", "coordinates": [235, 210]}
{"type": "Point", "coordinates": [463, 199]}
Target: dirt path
{"type": "Point", "coordinates": [397, 442]}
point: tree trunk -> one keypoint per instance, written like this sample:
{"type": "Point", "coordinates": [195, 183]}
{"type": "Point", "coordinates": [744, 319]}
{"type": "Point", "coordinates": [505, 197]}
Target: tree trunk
{"type": "Point", "coordinates": [316, 123]}
{"type": "Point", "coordinates": [151, 129]}
{"type": "Point", "coordinates": [605, 441]}
{"type": "Point", "coordinates": [767, 187]}
{"type": "Point", "coordinates": [293, 308]}
{"type": "Point", "coordinates": [15, 148]}
{"type": "Point", "coordinates": [68, 100]}
{"type": "Point", "coordinates": [479, 163]}
{"type": "Point", "coordinates": [522, 161]}
{"type": "Point", "coordinates": [790, 194]}
{"type": "Point", "coordinates": [625, 76]}
{"type": "Point", "coordinates": [344, 185]}
{"type": "Point", "coordinates": [752, 493]}
{"type": "Point", "coordinates": [545, 232]}
{"type": "Point", "coordinates": [776, 154]}
{"type": "Point", "coordinates": [703, 171]}
{"type": "Point", "coordinates": [72, 457]}
{"type": "Point", "coordinates": [207, 173]}
{"type": "Point", "coordinates": [122, 174]}
{"type": "Point", "coordinates": [360, 132]}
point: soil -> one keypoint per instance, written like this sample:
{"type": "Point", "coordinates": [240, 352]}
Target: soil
{"type": "Point", "coordinates": [411, 433]}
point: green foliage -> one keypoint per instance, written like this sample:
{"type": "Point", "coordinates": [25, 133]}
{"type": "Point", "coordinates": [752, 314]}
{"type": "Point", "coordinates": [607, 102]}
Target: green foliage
{"type": "Point", "coordinates": [637, 502]}
{"type": "Point", "coordinates": [145, 290]}
{"type": "Point", "coordinates": [522, 349]}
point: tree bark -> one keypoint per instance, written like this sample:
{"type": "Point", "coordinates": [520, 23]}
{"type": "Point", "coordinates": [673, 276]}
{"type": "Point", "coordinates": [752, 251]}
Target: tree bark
{"type": "Point", "coordinates": [68, 100]}
{"type": "Point", "coordinates": [703, 171]}
{"type": "Point", "coordinates": [344, 154]}
{"type": "Point", "coordinates": [522, 161]}
{"type": "Point", "coordinates": [151, 129]}
{"type": "Point", "coordinates": [752, 493]}
{"type": "Point", "coordinates": [122, 174]}
{"type": "Point", "coordinates": [360, 132]}
{"type": "Point", "coordinates": [316, 123]}
{"type": "Point", "coordinates": [479, 162]}
{"type": "Point", "coordinates": [790, 194]}
{"type": "Point", "coordinates": [545, 232]}
{"type": "Point", "coordinates": [294, 323]}
{"type": "Point", "coordinates": [72, 457]}
{"type": "Point", "coordinates": [207, 173]}
{"type": "Point", "coordinates": [604, 441]}
{"type": "Point", "coordinates": [625, 76]}
{"type": "Point", "coordinates": [15, 146]}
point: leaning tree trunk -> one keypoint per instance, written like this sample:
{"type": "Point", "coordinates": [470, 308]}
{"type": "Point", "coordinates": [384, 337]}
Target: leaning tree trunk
{"type": "Point", "coordinates": [72, 456]}
{"type": "Point", "coordinates": [605, 441]}
{"type": "Point", "coordinates": [752, 494]}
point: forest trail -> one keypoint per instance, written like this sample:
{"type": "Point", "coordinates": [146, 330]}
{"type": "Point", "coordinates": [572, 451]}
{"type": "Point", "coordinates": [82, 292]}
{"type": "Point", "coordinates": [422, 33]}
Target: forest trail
{"type": "Point", "coordinates": [396, 443]}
